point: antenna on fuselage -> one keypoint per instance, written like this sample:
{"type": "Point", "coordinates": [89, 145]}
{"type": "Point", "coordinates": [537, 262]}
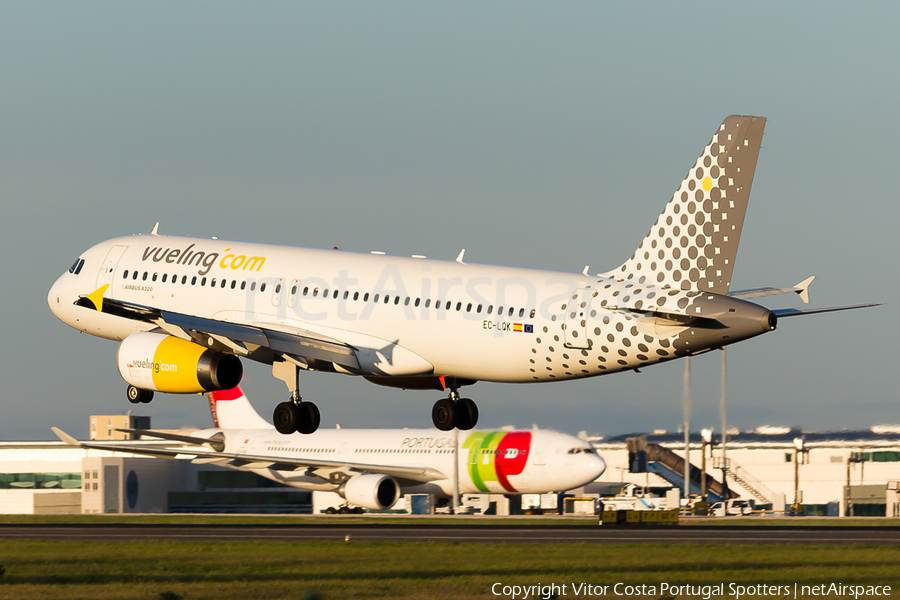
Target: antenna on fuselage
{"type": "Point", "coordinates": [155, 229]}
{"type": "Point", "coordinates": [459, 258]}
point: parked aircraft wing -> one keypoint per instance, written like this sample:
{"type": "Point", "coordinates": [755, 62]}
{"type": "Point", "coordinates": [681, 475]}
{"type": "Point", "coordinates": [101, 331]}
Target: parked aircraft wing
{"type": "Point", "coordinates": [216, 442]}
{"type": "Point", "coordinates": [293, 342]}
{"type": "Point", "coordinates": [801, 289]}
{"type": "Point", "coordinates": [246, 461]}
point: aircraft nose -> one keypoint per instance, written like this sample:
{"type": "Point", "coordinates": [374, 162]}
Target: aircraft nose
{"type": "Point", "coordinates": [54, 296]}
{"type": "Point", "coordinates": [60, 299]}
{"type": "Point", "coordinates": [598, 465]}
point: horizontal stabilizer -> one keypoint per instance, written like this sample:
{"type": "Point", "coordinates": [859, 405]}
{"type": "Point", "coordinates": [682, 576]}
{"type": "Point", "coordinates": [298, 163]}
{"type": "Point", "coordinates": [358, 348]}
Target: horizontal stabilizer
{"type": "Point", "coordinates": [793, 312]}
{"type": "Point", "coordinates": [801, 289]}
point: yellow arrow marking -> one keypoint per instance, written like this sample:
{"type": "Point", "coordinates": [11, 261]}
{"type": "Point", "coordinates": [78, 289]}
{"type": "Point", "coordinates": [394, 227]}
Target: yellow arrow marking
{"type": "Point", "coordinates": [97, 298]}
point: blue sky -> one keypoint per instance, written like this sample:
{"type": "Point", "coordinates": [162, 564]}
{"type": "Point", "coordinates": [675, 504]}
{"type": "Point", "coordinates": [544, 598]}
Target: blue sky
{"type": "Point", "coordinates": [546, 135]}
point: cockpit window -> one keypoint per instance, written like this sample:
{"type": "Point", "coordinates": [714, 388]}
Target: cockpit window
{"type": "Point", "coordinates": [76, 266]}
{"type": "Point", "coordinates": [581, 451]}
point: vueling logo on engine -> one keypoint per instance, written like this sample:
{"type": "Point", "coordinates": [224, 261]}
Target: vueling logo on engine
{"type": "Point", "coordinates": [204, 260]}
{"type": "Point", "coordinates": [154, 366]}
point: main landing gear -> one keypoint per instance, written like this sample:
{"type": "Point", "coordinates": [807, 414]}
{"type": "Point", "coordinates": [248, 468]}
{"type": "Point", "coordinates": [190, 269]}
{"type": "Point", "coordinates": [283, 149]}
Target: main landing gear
{"type": "Point", "coordinates": [454, 411]}
{"type": "Point", "coordinates": [296, 415]}
{"type": "Point", "coordinates": [293, 415]}
{"type": "Point", "coordinates": [139, 396]}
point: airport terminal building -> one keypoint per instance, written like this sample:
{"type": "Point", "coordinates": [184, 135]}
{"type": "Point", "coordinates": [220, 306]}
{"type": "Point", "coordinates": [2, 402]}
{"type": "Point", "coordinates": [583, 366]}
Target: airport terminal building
{"type": "Point", "coordinates": [833, 474]}
{"type": "Point", "coordinates": [853, 473]}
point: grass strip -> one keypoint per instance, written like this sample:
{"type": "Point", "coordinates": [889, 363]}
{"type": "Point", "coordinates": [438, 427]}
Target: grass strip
{"type": "Point", "coordinates": [419, 521]}
{"type": "Point", "coordinates": [324, 570]}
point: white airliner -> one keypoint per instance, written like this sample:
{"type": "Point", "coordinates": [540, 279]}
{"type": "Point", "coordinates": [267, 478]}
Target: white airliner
{"type": "Point", "coordinates": [187, 309]}
{"type": "Point", "coordinates": [372, 468]}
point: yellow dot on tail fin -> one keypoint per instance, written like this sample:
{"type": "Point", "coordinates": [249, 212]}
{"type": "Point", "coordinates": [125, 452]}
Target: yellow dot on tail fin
{"type": "Point", "coordinates": [707, 183]}
{"type": "Point", "coordinates": [96, 297]}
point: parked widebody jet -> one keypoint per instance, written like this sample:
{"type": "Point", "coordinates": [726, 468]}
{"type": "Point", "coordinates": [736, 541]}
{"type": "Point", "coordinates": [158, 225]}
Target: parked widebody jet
{"type": "Point", "coordinates": [372, 468]}
{"type": "Point", "coordinates": [186, 310]}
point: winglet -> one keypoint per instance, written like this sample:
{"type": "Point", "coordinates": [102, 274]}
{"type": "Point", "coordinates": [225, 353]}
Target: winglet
{"type": "Point", "coordinates": [459, 258]}
{"type": "Point", "coordinates": [155, 229]}
{"type": "Point", "coordinates": [96, 297]}
{"type": "Point", "coordinates": [65, 436]}
{"type": "Point", "coordinates": [802, 289]}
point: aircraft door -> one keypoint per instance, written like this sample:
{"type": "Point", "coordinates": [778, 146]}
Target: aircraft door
{"type": "Point", "coordinates": [108, 270]}
{"type": "Point", "coordinates": [575, 334]}
{"type": "Point", "coordinates": [539, 451]}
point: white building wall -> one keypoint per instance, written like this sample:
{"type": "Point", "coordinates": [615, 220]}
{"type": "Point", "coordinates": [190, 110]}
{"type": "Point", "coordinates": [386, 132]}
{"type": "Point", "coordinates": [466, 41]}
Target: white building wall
{"type": "Point", "coordinates": [17, 502]}
{"type": "Point", "coordinates": [822, 478]}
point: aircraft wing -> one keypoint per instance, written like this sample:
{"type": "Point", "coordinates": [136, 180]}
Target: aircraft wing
{"type": "Point", "coordinates": [293, 342]}
{"type": "Point", "coordinates": [246, 461]}
{"type": "Point", "coordinates": [216, 442]}
{"type": "Point", "coordinates": [801, 289]}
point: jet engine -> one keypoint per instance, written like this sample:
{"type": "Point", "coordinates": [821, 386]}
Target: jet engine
{"type": "Point", "coordinates": [164, 363]}
{"type": "Point", "coordinates": [375, 492]}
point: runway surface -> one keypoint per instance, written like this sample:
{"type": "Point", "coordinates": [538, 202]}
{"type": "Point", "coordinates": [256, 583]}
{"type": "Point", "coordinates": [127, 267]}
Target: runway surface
{"type": "Point", "coordinates": [485, 534]}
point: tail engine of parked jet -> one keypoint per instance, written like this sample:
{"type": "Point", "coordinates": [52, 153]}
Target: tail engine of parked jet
{"type": "Point", "coordinates": [375, 492]}
{"type": "Point", "coordinates": [161, 362]}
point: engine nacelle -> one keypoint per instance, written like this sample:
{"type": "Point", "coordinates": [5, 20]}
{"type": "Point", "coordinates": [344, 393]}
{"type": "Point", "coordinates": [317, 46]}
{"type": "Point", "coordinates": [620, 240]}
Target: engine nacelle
{"type": "Point", "coordinates": [375, 492]}
{"type": "Point", "coordinates": [161, 362]}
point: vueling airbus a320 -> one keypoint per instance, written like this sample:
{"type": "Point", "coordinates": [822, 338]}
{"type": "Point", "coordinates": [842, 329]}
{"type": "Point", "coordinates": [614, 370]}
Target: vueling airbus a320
{"type": "Point", "coordinates": [186, 310]}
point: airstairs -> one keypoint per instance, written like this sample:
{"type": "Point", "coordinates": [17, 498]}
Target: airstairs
{"type": "Point", "coordinates": [750, 483]}
{"type": "Point", "coordinates": [653, 458]}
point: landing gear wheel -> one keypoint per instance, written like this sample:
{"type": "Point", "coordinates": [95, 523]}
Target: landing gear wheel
{"type": "Point", "coordinates": [357, 510]}
{"type": "Point", "coordinates": [443, 415]}
{"type": "Point", "coordinates": [137, 395]}
{"type": "Point", "coordinates": [331, 510]}
{"type": "Point", "coordinates": [344, 510]}
{"type": "Point", "coordinates": [286, 418]}
{"type": "Point", "coordinates": [466, 414]}
{"type": "Point", "coordinates": [309, 417]}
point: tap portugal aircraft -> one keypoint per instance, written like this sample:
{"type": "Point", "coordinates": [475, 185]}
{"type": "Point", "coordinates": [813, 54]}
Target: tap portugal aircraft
{"type": "Point", "coordinates": [372, 468]}
{"type": "Point", "coordinates": [186, 310]}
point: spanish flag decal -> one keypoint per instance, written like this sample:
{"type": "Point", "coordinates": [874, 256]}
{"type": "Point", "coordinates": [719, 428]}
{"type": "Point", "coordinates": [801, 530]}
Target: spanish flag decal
{"type": "Point", "coordinates": [517, 327]}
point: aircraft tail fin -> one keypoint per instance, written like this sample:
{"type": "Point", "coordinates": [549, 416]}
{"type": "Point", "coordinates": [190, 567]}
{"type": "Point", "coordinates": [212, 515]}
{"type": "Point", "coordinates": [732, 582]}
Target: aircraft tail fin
{"type": "Point", "coordinates": [231, 409]}
{"type": "Point", "coordinates": [694, 242]}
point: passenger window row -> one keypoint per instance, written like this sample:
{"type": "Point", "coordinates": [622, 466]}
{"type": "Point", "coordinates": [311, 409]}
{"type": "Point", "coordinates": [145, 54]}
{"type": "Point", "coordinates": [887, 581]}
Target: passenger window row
{"type": "Point", "coordinates": [325, 293]}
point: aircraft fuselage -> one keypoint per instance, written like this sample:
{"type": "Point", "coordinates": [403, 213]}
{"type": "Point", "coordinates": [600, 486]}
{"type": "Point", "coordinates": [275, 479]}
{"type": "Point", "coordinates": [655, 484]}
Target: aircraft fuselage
{"type": "Point", "coordinates": [409, 318]}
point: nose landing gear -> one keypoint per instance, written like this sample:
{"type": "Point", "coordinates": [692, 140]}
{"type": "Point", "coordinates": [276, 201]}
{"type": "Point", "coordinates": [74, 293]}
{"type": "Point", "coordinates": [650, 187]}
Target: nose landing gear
{"type": "Point", "coordinates": [138, 396]}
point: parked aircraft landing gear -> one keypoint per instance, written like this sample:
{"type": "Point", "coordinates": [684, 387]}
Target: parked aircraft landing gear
{"type": "Point", "coordinates": [138, 396]}
{"type": "Point", "coordinates": [454, 411]}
